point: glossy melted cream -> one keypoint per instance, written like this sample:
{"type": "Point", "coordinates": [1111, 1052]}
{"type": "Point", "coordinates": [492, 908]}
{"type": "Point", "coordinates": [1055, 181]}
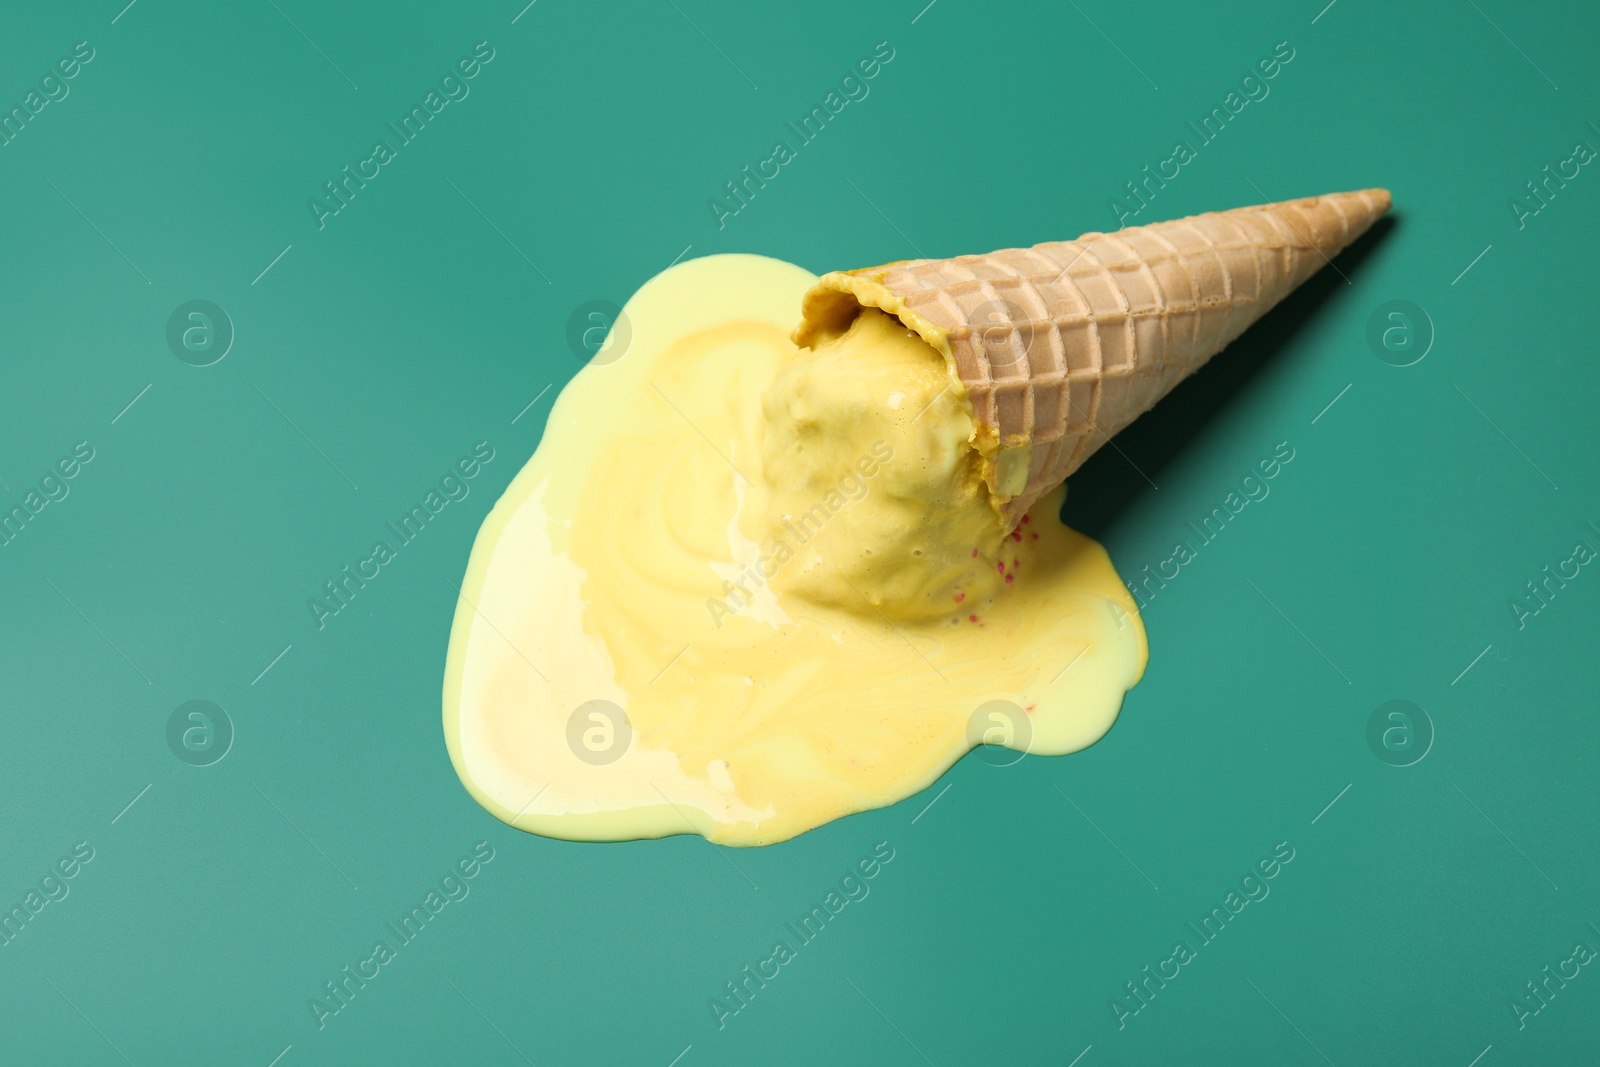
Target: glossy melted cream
{"type": "Point", "coordinates": [728, 596]}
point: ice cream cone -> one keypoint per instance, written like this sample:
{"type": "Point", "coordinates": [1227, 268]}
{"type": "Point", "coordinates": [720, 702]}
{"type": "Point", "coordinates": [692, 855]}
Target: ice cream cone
{"type": "Point", "coordinates": [1061, 345]}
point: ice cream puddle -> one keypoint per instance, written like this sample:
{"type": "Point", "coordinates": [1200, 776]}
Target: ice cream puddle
{"type": "Point", "coordinates": [795, 549]}
{"type": "Point", "coordinates": [739, 591]}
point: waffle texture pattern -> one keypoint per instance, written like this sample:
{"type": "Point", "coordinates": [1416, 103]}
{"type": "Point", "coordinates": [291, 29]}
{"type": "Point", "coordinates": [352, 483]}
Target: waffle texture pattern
{"type": "Point", "coordinates": [1061, 345]}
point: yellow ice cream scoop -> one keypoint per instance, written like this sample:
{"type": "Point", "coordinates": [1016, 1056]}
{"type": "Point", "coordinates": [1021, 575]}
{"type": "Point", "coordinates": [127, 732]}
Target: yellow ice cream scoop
{"type": "Point", "coordinates": [869, 460]}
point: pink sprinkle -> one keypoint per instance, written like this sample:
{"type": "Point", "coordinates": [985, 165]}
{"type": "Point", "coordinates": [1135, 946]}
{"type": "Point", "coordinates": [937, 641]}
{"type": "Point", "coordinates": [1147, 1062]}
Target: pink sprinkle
{"type": "Point", "coordinates": [1009, 577]}
{"type": "Point", "coordinates": [1016, 535]}
{"type": "Point", "coordinates": [1034, 536]}
{"type": "Point", "coordinates": [972, 618]}
{"type": "Point", "coordinates": [1002, 565]}
{"type": "Point", "coordinates": [1024, 518]}
{"type": "Point", "coordinates": [960, 597]}
{"type": "Point", "coordinates": [974, 553]}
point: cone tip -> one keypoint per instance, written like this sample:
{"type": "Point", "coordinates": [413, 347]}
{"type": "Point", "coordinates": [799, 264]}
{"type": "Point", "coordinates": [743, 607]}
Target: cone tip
{"type": "Point", "coordinates": [1381, 197]}
{"type": "Point", "coordinates": [1375, 204]}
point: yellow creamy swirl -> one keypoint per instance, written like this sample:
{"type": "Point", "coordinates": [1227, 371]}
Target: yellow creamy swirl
{"type": "Point", "coordinates": [734, 591]}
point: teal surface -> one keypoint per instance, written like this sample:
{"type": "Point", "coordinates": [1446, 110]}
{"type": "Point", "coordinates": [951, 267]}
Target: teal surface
{"type": "Point", "coordinates": [372, 351]}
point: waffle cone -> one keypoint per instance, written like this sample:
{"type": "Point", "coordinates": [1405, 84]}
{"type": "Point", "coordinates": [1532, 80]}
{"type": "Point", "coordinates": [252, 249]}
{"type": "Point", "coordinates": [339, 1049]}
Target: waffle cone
{"type": "Point", "coordinates": [1061, 345]}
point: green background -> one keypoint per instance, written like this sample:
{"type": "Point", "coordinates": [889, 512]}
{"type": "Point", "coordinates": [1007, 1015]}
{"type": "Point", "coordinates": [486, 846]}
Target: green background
{"type": "Point", "coordinates": [433, 309]}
